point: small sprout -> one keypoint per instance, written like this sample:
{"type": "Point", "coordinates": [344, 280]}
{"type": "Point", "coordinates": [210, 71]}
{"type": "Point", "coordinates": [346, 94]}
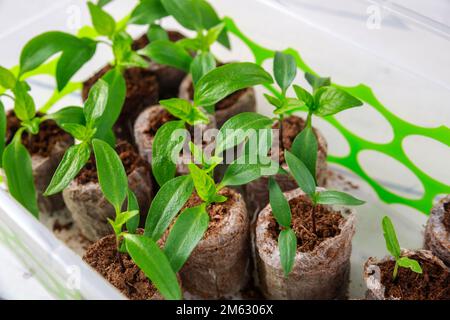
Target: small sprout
{"type": "Point", "coordinates": [393, 247]}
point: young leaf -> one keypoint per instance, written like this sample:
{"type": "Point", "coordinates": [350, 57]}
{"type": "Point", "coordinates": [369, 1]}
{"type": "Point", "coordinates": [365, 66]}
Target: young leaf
{"type": "Point", "coordinates": [337, 198]}
{"type": "Point", "coordinates": [305, 147]}
{"type": "Point", "coordinates": [287, 242]}
{"type": "Point", "coordinates": [331, 100]}
{"type": "Point", "coordinates": [103, 23]}
{"type": "Point", "coordinates": [111, 173]}
{"type": "Point", "coordinates": [391, 238]}
{"type": "Point", "coordinates": [154, 263]}
{"type": "Point", "coordinates": [186, 12]}
{"type": "Point", "coordinates": [68, 115]}
{"type": "Point", "coordinates": [74, 159]}
{"type": "Point", "coordinates": [102, 3]}
{"type": "Point", "coordinates": [95, 104]}
{"type": "Point", "coordinates": [19, 175]}
{"type": "Point", "coordinates": [121, 219]}
{"type": "Point", "coordinates": [164, 148]}
{"type": "Point", "coordinates": [223, 81]}
{"type": "Point", "coordinates": [279, 204]}
{"type": "Point", "coordinates": [7, 78]}
{"type": "Point", "coordinates": [213, 34]}
{"type": "Point", "coordinates": [284, 69]}
{"type": "Point", "coordinates": [147, 12]}
{"type": "Point", "coordinates": [204, 184]}
{"type": "Point", "coordinates": [156, 32]}
{"type": "Point", "coordinates": [201, 65]}
{"type": "Point", "coordinates": [168, 53]}
{"type": "Point", "coordinates": [304, 96]}
{"type": "Point", "coordinates": [121, 46]}
{"type": "Point", "coordinates": [132, 205]}
{"type": "Point", "coordinates": [185, 234]}
{"type": "Point", "coordinates": [237, 128]}
{"type": "Point", "coordinates": [24, 106]}
{"type": "Point", "coordinates": [167, 204]}
{"type": "Point", "coordinates": [209, 19]}
{"type": "Point", "coordinates": [317, 82]}
{"type": "Point", "coordinates": [301, 174]}
{"type": "Point", "coordinates": [289, 106]}
{"type": "Point", "coordinates": [76, 130]}
{"type": "Point", "coordinates": [238, 174]}
{"type": "Point", "coordinates": [277, 103]}
{"type": "Point", "coordinates": [412, 264]}
{"type": "Point", "coordinates": [184, 110]}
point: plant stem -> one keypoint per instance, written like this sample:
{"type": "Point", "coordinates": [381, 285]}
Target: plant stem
{"type": "Point", "coordinates": [394, 276]}
{"type": "Point", "coordinates": [280, 120]}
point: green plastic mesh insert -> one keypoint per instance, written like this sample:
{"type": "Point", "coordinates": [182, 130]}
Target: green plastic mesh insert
{"type": "Point", "coordinates": [394, 149]}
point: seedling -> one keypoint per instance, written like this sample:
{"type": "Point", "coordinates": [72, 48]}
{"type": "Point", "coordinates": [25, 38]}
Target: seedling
{"type": "Point", "coordinates": [144, 251]}
{"type": "Point", "coordinates": [211, 88]}
{"type": "Point", "coordinates": [287, 240]}
{"type": "Point", "coordinates": [15, 158]}
{"type": "Point", "coordinates": [393, 247]}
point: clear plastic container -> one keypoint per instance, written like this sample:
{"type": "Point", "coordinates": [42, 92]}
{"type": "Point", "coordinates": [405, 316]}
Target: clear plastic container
{"type": "Point", "coordinates": [396, 148]}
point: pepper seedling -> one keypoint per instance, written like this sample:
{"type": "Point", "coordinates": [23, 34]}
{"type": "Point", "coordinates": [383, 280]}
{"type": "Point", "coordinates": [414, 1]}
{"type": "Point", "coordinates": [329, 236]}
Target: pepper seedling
{"type": "Point", "coordinates": [144, 251]}
{"type": "Point", "coordinates": [393, 247]}
{"type": "Point", "coordinates": [211, 88]}
{"type": "Point", "coordinates": [15, 158]}
{"type": "Point", "coordinates": [287, 240]}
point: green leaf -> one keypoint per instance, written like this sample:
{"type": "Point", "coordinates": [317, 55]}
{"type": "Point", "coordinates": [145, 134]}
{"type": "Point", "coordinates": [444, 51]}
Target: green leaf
{"type": "Point", "coordinates": [121, 219]}
{"type": "Point", "coordinates": [185, 234]}
{"type": "Point", "coordinates": [305, 148]}
{"type": "Point", "coordinates": [68, 115]}
{"type": "Point", "coordinates": [168, 53]}
{"type": "Point", "coordinates": [237, 128]}
{"type": "Point", "coordinates": [167, 144]}
{"type": "Point", "coordinates": [201, 65]}
{"type": "Point", "coordinates": [337, 198]}
{"type": "Point", "coordinates": [213, 34]}
{"type": "Point", "coordinates": [184, 110]}
{"type": "Point", "coordinates": [301, 174]}
{"type": "Point", "coordinates": [186, 12]}
{"type": "Point", "coordinates": [289, 106]}
{"type": "Point", "coordinates": [102, 21]}
{"type": "Point", "coordinates": [19, 175]}
{"type": "Point", "coordinates": [156, 32]}
{"type": "Point", "coordinates": [132, 205]}
{"type": "Point", "coordinates": [95, 105]}
{"type": "Point", "coordinates": [223, 81]}
{"type": "Point", "coordinates": [390, 237]}
{"type": "Point", "coordinates": [116, 98]}
{"type": "Point", "coordinates": [284, 69]}
{"type": "Point", "coordinates": [317, 82]}
{"type": "Point", "coordinates": [238, 173]}
{"type": "Point", "coordinates": [76, 130]}
{"type": "Point", "coordinates": [7, 78]}
{"type": "Point", "coordinates": [304, 96]}
{"type": "Point", "coordinates": [167, 204]}
{"type": "Point", "coordinates": [147, 12]}
{"type": "Point", "coordinates": [153, 262]}
{"type": "Point", "coordinates": [412, 264]}
{"type": "Point", "coordinates": [132, 59]}
{"type": "Point", "coordinates": [2, 132]}
{"type": "Point", "coordinates": [279, 204]}
{"type": "Point", "coordinates": [74, 159]}
{"type": "Point", "coordinates": [111, 173]}
{"type": "Point", "coordinates": [121, 45]}
{"type": "Point", "coordinates": [102, 3]}
{"type": "Point", "coordinates": [331, 100]}
{"type": "Point", "coordinates": [209, 19]}
{"type": "Point", "coordinates": [277, 103]}
{"type": "Point", "coordinates": [204, 184]}
{"type": "Point", "coordinates": [24, 106]}
{"type": "Point", "coordinates": [287, 242]}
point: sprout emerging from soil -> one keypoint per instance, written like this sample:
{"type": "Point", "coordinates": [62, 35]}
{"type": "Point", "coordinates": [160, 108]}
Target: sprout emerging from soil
{"type": "Point", "coordinates": [393, 247]}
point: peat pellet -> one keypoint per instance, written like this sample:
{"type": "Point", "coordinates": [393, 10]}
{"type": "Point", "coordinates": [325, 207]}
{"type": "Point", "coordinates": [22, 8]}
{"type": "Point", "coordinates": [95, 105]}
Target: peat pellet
{"type": "Point", "coordinates": [151, 119]}
{"type": "Point", "coordinates": [432, 284]}
{"type": "Point", "coordinates": [257, 191]}
{"type": "Point", "coordinates": [169, 78]}
{"type": "Point", "coordinates": [219, 265]}
{"type": "Point", "coordinates": [241, 101]}
{"type": "Point", "coordinates": [46, 149]}
{"type": "Point", "coordinates": [322, 261]}
{"type": "Point", "coordinates": [88, 206]}
{"type": "Point", "coordinates": [437, 231]}
{"type": "Point", "coordinates": [142, 90]}
{"type": "Point", "coordinates": [125, 275]}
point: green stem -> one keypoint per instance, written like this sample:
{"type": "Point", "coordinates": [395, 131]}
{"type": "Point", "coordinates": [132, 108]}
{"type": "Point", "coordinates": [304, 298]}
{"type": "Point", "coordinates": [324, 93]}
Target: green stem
{"type": "Point", "coordinates": [394, 275]}
{"type": "Point", "coordinates": [280, 120]}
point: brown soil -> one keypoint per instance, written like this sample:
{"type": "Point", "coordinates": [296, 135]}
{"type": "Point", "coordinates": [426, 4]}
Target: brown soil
{"type": "Point", "coordinates": [119, 269]}
{"type": "Point", "coordinates": [157, 121]}
{"type": "Point", "coordinates": [327, 224]}
{"type": "Point", "coordinates": [446, 220]}
{"type": "Point", "coordinates": [433, 284]}
{"type": "Point", "coordinates": [40, 144]}
{"type": "Point", "coordinates": [142, 41]}
{"type": "Point", "coordinates": [225, 103]}
{"type": "Point", "coordinates": [217, 211]}
{"type": "Point", "coordinates": [127, 153]}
